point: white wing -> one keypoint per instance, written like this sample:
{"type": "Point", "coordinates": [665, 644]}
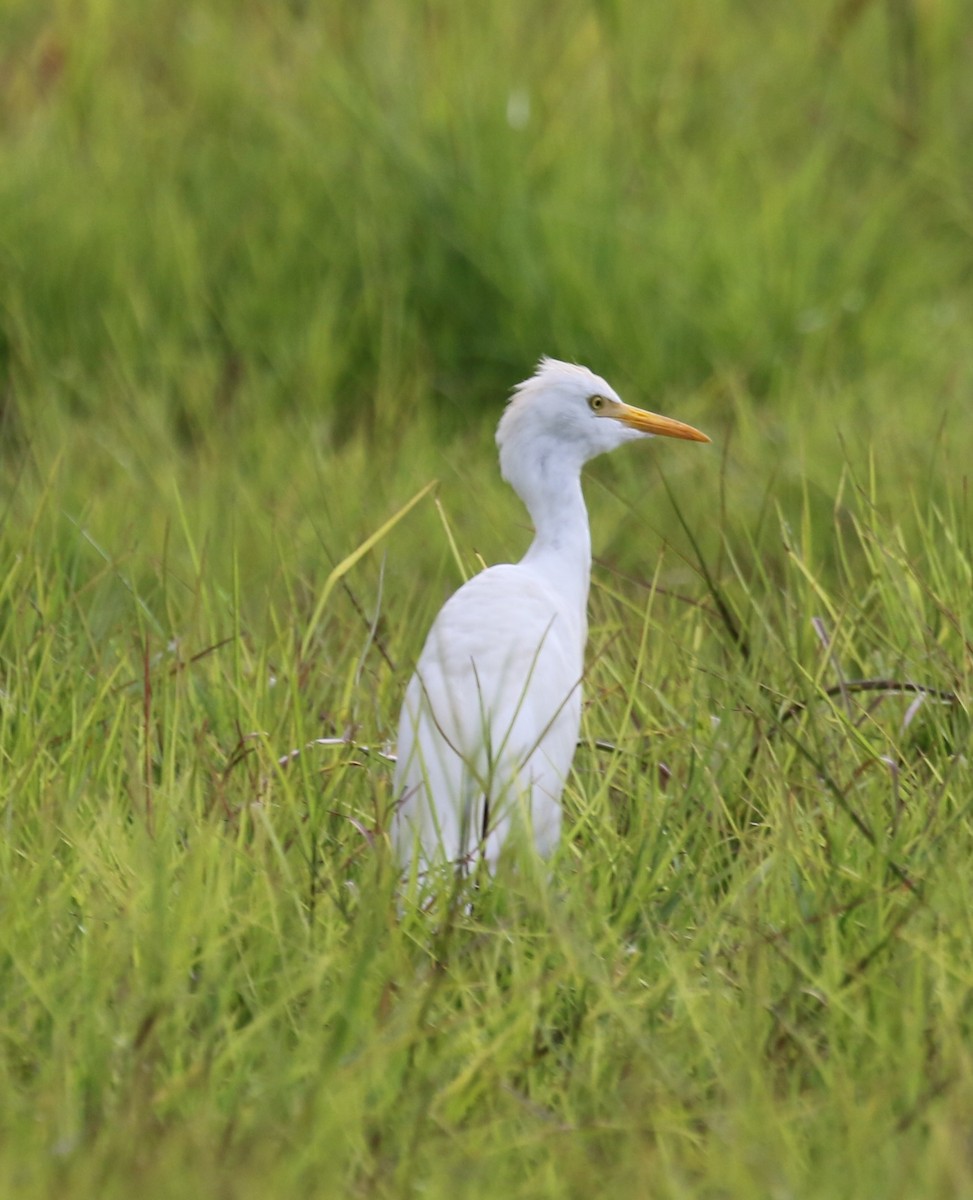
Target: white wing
{"type": "Point", "coordinates": [490, 721]}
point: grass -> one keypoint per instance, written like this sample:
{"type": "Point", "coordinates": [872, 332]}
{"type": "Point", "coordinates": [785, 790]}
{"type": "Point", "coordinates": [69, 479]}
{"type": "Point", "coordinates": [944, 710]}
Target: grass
{"type": "Point", "coordinates": [266, 273]}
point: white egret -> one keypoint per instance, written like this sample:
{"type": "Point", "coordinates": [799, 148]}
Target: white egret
{"type": "Point", "coordinates": [491, 716]}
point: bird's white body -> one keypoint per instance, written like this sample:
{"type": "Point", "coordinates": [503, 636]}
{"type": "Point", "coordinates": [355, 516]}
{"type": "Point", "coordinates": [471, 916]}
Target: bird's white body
{"type": "Point", "coordinates": [491, 716]}
{"type": "Point", "coordinates": [474, 731]}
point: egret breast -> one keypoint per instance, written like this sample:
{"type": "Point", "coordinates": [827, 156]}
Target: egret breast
{"type": "Point", "coordinates": [490, 720]}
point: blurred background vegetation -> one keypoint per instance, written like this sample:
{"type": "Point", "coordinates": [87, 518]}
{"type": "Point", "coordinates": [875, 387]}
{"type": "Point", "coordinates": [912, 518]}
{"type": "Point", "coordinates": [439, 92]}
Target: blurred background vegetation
{"type": "Point", "coordinates": [243, 208]}
{"type": "Point", "coordinates": [237, 237]}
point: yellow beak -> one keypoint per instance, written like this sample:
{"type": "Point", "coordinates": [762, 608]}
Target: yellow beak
{"type": "Point", "coordinates": [648, 422]}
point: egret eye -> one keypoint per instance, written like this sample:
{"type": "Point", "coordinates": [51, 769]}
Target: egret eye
{"type": "Point", "coordinates": [596, 403]}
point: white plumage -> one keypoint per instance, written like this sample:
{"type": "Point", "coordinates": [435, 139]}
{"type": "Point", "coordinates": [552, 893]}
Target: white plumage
{"type": "Point", "coordinates": [491, 716]}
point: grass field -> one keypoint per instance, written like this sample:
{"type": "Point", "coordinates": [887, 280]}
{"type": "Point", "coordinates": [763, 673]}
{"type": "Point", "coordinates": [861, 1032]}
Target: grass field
{"type": "Point", "coordinates": [266, 272]}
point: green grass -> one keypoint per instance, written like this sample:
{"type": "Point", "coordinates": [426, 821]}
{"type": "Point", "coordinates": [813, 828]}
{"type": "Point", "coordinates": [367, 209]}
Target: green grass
{"type": "Point", "coordinates": [267, 271]}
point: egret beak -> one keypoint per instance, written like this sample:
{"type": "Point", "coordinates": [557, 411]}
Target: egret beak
{"type": "Point", "coordinates": [648, 422]}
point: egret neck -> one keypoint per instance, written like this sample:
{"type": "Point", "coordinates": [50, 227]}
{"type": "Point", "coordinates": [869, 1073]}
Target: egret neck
{"type": "Point", "coordinates": [561, 549]}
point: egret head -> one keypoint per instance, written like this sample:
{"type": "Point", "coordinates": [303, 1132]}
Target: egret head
{"type": "Point", "coordinates": [564, 415]}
